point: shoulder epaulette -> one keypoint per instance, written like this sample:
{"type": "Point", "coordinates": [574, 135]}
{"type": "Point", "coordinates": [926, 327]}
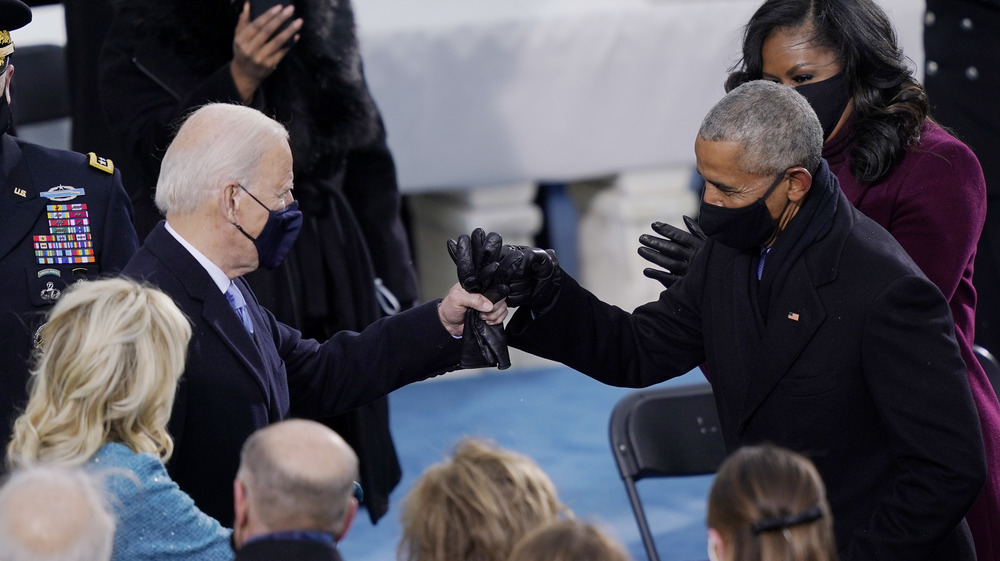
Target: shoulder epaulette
{"type": "Point", "coordinates": [101, 163]}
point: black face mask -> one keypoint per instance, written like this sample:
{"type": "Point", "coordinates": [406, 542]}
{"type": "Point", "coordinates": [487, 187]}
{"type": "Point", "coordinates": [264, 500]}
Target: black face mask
{"type": "Point", "coordinates": [279, 233]}
{"type": "Point", "coordinates": [743, 227]}
{"type": "Point", "coordinates": [828, 98]}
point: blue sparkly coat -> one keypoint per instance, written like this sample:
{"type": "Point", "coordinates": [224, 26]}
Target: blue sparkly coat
{"type": "Point", "coordinates": [155, 519]}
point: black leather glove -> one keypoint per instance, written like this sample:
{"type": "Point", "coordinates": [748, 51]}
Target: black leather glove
{"type": "Point", "coordinates": [674, 251]}
{"type": "Point", "coordinates": [475, 258]}
{"type": "Point", "coordinates": [533, 276]}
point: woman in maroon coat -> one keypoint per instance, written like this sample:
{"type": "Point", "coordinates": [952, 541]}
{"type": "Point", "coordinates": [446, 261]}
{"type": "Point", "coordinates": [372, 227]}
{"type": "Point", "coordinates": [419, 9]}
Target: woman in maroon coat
{"type": "Point", "coordinates": [894, 164]}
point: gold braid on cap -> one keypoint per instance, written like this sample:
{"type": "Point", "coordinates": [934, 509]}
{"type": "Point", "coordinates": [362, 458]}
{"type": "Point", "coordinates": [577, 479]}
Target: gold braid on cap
{"type": "Point", "coordinates": [6, 47]}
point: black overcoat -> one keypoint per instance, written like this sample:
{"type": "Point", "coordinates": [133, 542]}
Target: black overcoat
{"type": "Point", "coordinates": [856, 367]}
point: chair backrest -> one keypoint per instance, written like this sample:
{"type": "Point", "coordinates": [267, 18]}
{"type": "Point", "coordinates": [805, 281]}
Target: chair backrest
{"type": "Point", "coordinates": [990, 365]}
{"type": "Point", "coordinates": [664, 432]}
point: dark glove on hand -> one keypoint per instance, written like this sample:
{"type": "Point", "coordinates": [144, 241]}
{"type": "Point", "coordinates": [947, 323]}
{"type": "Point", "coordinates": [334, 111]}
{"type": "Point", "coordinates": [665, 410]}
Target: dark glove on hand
{"type": "Point", "coordinates": [476, 260]}
{"type": "Point", "coordinates": [533, 276]}
{"type": "Point", "coordinates": [674, 251]}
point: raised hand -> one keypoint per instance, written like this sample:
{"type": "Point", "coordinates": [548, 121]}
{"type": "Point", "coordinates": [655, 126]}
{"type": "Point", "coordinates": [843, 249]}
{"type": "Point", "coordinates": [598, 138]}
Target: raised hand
{"type": "Point", "coordinates": [257, 50]}
{"type": "Point", "coordinates": [673, 252]}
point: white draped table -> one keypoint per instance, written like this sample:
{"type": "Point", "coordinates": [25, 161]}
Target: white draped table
{"type": "Point", "coordinates": [483, 99]}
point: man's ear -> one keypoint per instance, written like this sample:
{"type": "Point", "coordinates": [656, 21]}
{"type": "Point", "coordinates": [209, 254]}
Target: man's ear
{"type": "Point", "coordinates": [801, 181]}
{"type": "Point", "coordinates": [352, 510]}
{"type": "Point", "coordinates": [230, 203]}
{"type": "Point", "coordinates": [242, 510]}
{"type": "Point", "coordinates": [10, 76]}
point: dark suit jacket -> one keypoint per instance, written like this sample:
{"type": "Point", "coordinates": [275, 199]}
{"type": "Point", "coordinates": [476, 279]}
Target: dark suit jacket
{"type": "Point", "coordinates": [275, 550]}
{"type": "Point", "coordinates": [233, 384]}
{"type": "Point", "coordinates": [857, 368]}
{"type": "Point", "coordinates": [28, 175]}
{"type": "Point", "coordinates": [161, 60]}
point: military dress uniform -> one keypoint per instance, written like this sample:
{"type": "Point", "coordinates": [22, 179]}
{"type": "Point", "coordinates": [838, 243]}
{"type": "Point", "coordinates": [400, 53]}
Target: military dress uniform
{"type": "Point", "coordinates": [64, 217]}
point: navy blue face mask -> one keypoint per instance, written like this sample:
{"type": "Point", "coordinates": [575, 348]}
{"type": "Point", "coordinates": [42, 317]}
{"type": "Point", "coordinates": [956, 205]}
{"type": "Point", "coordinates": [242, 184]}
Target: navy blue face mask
{"type": "Point", "coordinates": [743, 227]}
{"type": "Point", "coordinates": [828, 99]}
{"type": "Point", "coordinates": [279, 233]}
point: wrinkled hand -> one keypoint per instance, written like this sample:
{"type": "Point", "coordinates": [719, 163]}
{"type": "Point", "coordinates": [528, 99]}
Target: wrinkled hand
{"type": "Point", "coordinates": [452, 309]}
{"type": "Point", "coordinates": [673, 252]}
{"type": "Point", "coordinates": [533, 276]}
{"type": "Point", "coordinates": [475, 258]}
{"type": "Point", "coordinates": [256, 53]}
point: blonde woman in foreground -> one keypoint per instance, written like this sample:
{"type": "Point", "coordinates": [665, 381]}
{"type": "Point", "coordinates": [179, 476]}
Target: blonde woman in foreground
{"type": "Point", "coordinates": [476, 505]}
{"type": "Point", "coordinates": [100, 397]}
{"type": "Point", "coordinates": [769, 504]}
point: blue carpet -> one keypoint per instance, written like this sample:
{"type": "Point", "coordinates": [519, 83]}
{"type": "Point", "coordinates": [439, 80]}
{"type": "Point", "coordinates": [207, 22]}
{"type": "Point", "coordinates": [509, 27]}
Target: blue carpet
{"type": "Point", "coordinates": [558, 417]}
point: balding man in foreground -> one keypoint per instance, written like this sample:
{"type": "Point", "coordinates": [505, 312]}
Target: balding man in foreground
{"type": "Point", "coordinates": [225, 187]}
{"type": "Point", "coordinates": [52, 514]}
{"type": "Point", "coordinates": [294, 493]}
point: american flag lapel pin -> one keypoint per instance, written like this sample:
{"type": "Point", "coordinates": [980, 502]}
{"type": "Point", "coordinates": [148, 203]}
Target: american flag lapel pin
{"type": "Point", "coordinates": [793, 316]}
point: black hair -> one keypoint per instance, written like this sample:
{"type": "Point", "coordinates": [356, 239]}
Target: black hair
{"type": "Point", "coordinates": [890, 104]}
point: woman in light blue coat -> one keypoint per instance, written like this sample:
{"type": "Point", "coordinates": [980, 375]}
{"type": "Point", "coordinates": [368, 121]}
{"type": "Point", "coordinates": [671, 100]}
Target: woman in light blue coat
{"type": "Point", "coordinates": [110, 357]}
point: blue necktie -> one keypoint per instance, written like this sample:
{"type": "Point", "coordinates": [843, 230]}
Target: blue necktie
{"type": "Point", "coordinates": [239, 304]}
{"type": "Point", "coordinates": [760, 264]}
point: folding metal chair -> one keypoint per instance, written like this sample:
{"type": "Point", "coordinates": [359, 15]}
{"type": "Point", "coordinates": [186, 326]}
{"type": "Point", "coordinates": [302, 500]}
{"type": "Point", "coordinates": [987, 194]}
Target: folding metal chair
{"type": "Point", "coordinates": [664, 432]}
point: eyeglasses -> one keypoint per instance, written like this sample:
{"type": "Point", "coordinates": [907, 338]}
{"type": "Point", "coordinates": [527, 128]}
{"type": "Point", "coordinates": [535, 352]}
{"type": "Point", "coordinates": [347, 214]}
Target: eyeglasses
{"type": "Point", "coordinates": [359, 493]}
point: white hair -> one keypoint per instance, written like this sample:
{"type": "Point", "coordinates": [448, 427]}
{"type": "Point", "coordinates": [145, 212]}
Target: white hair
{"type": "Point", "coordinates": [218, 144]}
{"type": "Point", "coordinates": [50, 513]}
{"type": "Point", "coordinates": [776, 126]}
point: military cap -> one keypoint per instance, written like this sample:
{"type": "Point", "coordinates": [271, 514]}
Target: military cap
{"type": "Point", "coordinates": [14, 14]}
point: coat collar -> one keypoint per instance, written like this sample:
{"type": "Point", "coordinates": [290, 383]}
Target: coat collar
{"type": "Point", "coordinates": [797, 312]}
{"type": "Point", "coordinates": [215, 309]}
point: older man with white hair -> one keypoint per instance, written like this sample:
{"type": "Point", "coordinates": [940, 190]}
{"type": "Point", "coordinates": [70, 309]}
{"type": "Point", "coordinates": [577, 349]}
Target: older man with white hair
{"type": "Point", "coordinates": [54, 514]}
{"type": "Point", "coordinates": [225, 187]}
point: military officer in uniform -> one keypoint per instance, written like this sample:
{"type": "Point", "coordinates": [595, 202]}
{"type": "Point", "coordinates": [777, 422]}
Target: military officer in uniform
{"type": "Point", "coordinates": [64, 217]}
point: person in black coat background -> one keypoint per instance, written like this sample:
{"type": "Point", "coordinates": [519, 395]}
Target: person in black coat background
{"type": "Point", "coordinates": [65, 217]}
{"type": "Point", "coordinates": [962, 74]}
{"type": "Point", "coordinates": [352, 263]}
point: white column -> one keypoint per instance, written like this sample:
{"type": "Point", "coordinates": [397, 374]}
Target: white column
{"type": "Point", "coordinates": [610, 226]}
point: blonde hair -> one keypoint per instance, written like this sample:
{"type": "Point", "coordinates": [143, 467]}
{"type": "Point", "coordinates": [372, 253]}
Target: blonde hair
{"type": "Point", "coordinates": [568, 540]}
{"type": "Point", "coordinates": [111, 354]}
{"type": "Point", "coordinates": [769, 504]}
{"type": "Point", "coordinates": [476, 505]}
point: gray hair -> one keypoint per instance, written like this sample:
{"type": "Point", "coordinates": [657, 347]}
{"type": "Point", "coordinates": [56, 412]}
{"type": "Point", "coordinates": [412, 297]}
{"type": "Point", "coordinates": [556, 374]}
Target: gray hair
{"type": "Point", "coordinates": [776, 126]}
{"type": "Point", "coordinates": [300, 480]}
{"type": "Point", "coordinates": [218, 144]}
{"type": "Point", "coordinates": [50, 513]}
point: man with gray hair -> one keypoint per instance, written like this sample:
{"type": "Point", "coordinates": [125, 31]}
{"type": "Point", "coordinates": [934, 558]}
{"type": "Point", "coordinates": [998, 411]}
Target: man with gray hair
{"type": "Point", "coordinates": [225, 187]}
{"type": "Point", "coordinates": [54, 514]}
{"type": "Point", "coordinates": [819, 333]}
{"type": "Point", "coordinates": [294, 494]}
